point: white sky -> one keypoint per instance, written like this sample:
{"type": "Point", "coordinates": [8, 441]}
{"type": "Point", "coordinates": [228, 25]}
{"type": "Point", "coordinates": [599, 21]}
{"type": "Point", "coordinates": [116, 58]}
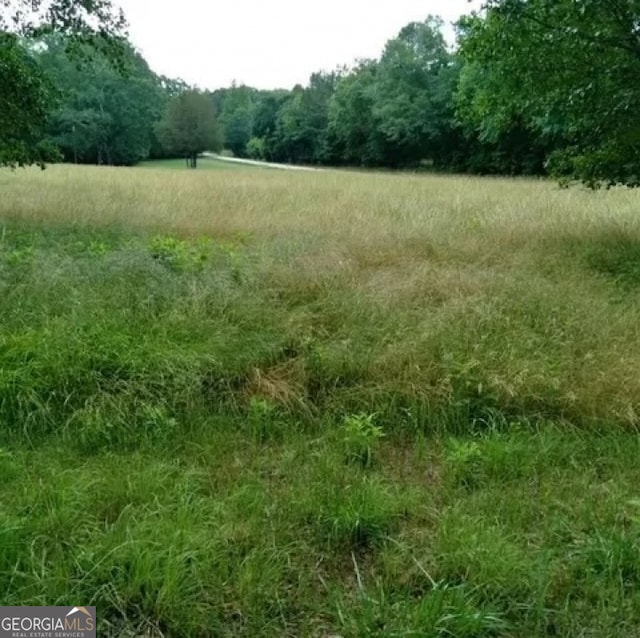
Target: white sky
{"type": "Point", "coordinates": [270, 43]}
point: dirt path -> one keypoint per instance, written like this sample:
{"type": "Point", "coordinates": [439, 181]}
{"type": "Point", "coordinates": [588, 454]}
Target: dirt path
{"type": "Point", "coordinates": [237, 160]}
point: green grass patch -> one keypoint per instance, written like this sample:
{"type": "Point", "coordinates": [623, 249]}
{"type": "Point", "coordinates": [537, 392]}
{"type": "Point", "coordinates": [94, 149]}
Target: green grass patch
{"type": "Point", "coordinates": [269, 428]}
{"type": "Point", "coordinates": [204, 164]}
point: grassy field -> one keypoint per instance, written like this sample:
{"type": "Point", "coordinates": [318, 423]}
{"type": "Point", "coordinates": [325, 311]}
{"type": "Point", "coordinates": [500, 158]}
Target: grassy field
{"type": "Point", "coordinates": [265, 404]}
{"type": "Point", "coordinates": [204, 163]}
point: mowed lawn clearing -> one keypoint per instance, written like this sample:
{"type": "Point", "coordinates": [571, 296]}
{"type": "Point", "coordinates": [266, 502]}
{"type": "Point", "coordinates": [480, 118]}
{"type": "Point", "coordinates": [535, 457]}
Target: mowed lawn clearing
{"type": "Point", "coordinates": [204, 163]}
{"type": "Point", "coordinates": [259, 403]}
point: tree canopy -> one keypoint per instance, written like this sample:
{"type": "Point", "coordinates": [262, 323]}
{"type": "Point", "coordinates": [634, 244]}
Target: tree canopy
{"type": "Point", "coordinates": [566, 71]}
{"type": "Point", "coordinates": [532, 87]}
{"type": "Point", "coordinates": [25, 102]}
{"type": "Point", "coordinates": [85, 20]}
{"type": "Point", "coordinates": [190, 126]}
{"type": "Point", "coordinates": [27, 96]}
{"type": "Point", "coordinates": [104, 116]}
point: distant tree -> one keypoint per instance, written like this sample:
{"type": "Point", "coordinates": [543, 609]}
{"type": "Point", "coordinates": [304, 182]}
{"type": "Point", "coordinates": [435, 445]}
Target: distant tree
{"type": "Point", "coordinates": [408, 108]}
{"type": "Point", "coordinates": [190, 126]}
{"type": "Point", "coordinates": [292, 142]}
{"type": "Point", "coordinates": [302, 122]}
{"type": "Point", "coordinates": [399, 110]}
{"type": "Point", "coordinates": [265, 122]}
{"type": "Point", "coordinates": [353, 134]}
{"type": "Point", "coordinates": [174, 86]}
{"type": "Point", "coordinates": [26, 95]}
{"type": "Point", "coordinates": [105, 116]}
{"type": "Point", "coordinates": [170, 88]}
{"type": "Point", "coordinates": [256, 148]}
{"type": "Point", "coordinates": [235, 107]}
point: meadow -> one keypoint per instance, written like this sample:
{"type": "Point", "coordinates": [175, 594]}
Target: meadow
{"type": "Point", "coordinates": [204, 163]}
{"type": "Point", "coordinates": [250, 403]}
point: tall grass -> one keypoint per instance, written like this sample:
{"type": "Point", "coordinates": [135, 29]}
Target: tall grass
{"type": "Point", "coordinates": [463, 295]}
{"type": "Point", "coordinates": [253, 403]}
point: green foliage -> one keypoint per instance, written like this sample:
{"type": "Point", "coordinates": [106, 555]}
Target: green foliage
{"type": "Point", "coordinates": [361, 436]}
{"type": "Point", "coordinates": [98, 248]}
{"type": "Point", "coordinates": [497, 138]}
{"type": "Point", "coordinates": [359, 517]}
{"type": "Point", "coordinates": [399, 111]}
{"type": "Point", "coordinates": [562, 69]}
{"type": "Point", "coordinates": [263, 419]}
{"type": "Point", "coordinates": [87, 20]}
{"type": "Point", "coordinates": [535, 87]}
{"type": "Point", "coordinates": [464, 458]}
{"type": "Point", "coordinates": [492, 457]}
{"type": "Point", "coordinates": [19, 256]}
{"type": "Point", "coordinates": [180, 255]}
{"type": "Point", "coordinates": [442, 612]}
{"type": "Point", "coordinates": [189, 126]}
{"type": "Point", "coordinates": [235, 107]}
{"type": "Point", "coordinates": [256, 148]}
{"type": "Point", "coordinates": [507, 103]}
{"type": "Point", "coordinates": [26, 99]}
{"type": "Point", "coordinates": [106, 115]}
{"type": "Point", "coordinates": [265, 118]}
{"type": "Point", "coordinates": [407, 109]}
{"type": "Point", "coordinates": [352, 130]}
{"type": "Point", "coordinates": [28, 96]}
{"type": "Point", "coordinates": [300, 134]}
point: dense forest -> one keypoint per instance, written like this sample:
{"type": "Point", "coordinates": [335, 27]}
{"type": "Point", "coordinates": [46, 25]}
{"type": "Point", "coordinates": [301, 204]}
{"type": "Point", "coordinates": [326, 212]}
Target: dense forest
{"type": "Point", "coordinates": [531, 87]}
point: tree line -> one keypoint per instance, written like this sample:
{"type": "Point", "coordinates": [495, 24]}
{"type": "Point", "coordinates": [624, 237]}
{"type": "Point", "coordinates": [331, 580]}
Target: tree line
{"type": "Point", "coordinates": [532, 87]}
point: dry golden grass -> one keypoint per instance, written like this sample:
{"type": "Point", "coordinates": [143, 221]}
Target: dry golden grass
{"type": "Point", "coordinates": [448, 285]}
{"type": "Point", "coordinates": [353, 210]}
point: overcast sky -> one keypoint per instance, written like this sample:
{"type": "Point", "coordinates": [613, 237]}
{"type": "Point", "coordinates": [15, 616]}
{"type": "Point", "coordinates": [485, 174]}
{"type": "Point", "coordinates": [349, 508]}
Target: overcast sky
{"type": "Point", "coordinates": [269, 43]}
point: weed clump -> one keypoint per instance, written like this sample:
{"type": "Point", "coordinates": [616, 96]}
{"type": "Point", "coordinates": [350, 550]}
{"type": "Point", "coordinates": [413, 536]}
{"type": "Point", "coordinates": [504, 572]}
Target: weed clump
{"type": "Point", "coordinates": [180, 255]}
{"type": "Point", "coordinates": [361, 437]}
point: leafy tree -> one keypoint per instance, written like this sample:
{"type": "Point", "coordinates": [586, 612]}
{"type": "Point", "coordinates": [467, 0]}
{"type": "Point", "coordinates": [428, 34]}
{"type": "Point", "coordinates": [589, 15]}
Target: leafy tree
{"type": "Point", "coordinates": [84, 19]}
{"type": "Point", "coordinates": [302, 123]}
{"type": "Point", "coordinates": [256, 148]}
{"type": "Point", "coordinates": [567, 71]}
{"type": "Point", "coordinates": [353, 134]}
{"type": "Point", "coordinates": [316, 99]}
{"type": "Point", "coordinates": [265, 122]}
{"type": "Point", "coordinates": [289, 141]}
{"type": "Point", "coordinates": [399, 111]}
{"type": "Point", "coordinates": [265, 115]}
{"type": "Point", "coordinates": [173, 86]}
{"type": "Point", "coordinates": [25, 100]}
{"type": "Point", "coordinates": [497, 138]}
{"type": "Point", "coordinates": [408, 108]}
{"type": "Point", "coordinates": [27, 96]}
{"type": "Point", "coordinates": [235, 106]}
{"type": "Point", "coordinates": [190, 126]}
{"type": "Point", "coordinates": [170, 88]}
{"type": "Point", "coordinates": [105, 116]}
